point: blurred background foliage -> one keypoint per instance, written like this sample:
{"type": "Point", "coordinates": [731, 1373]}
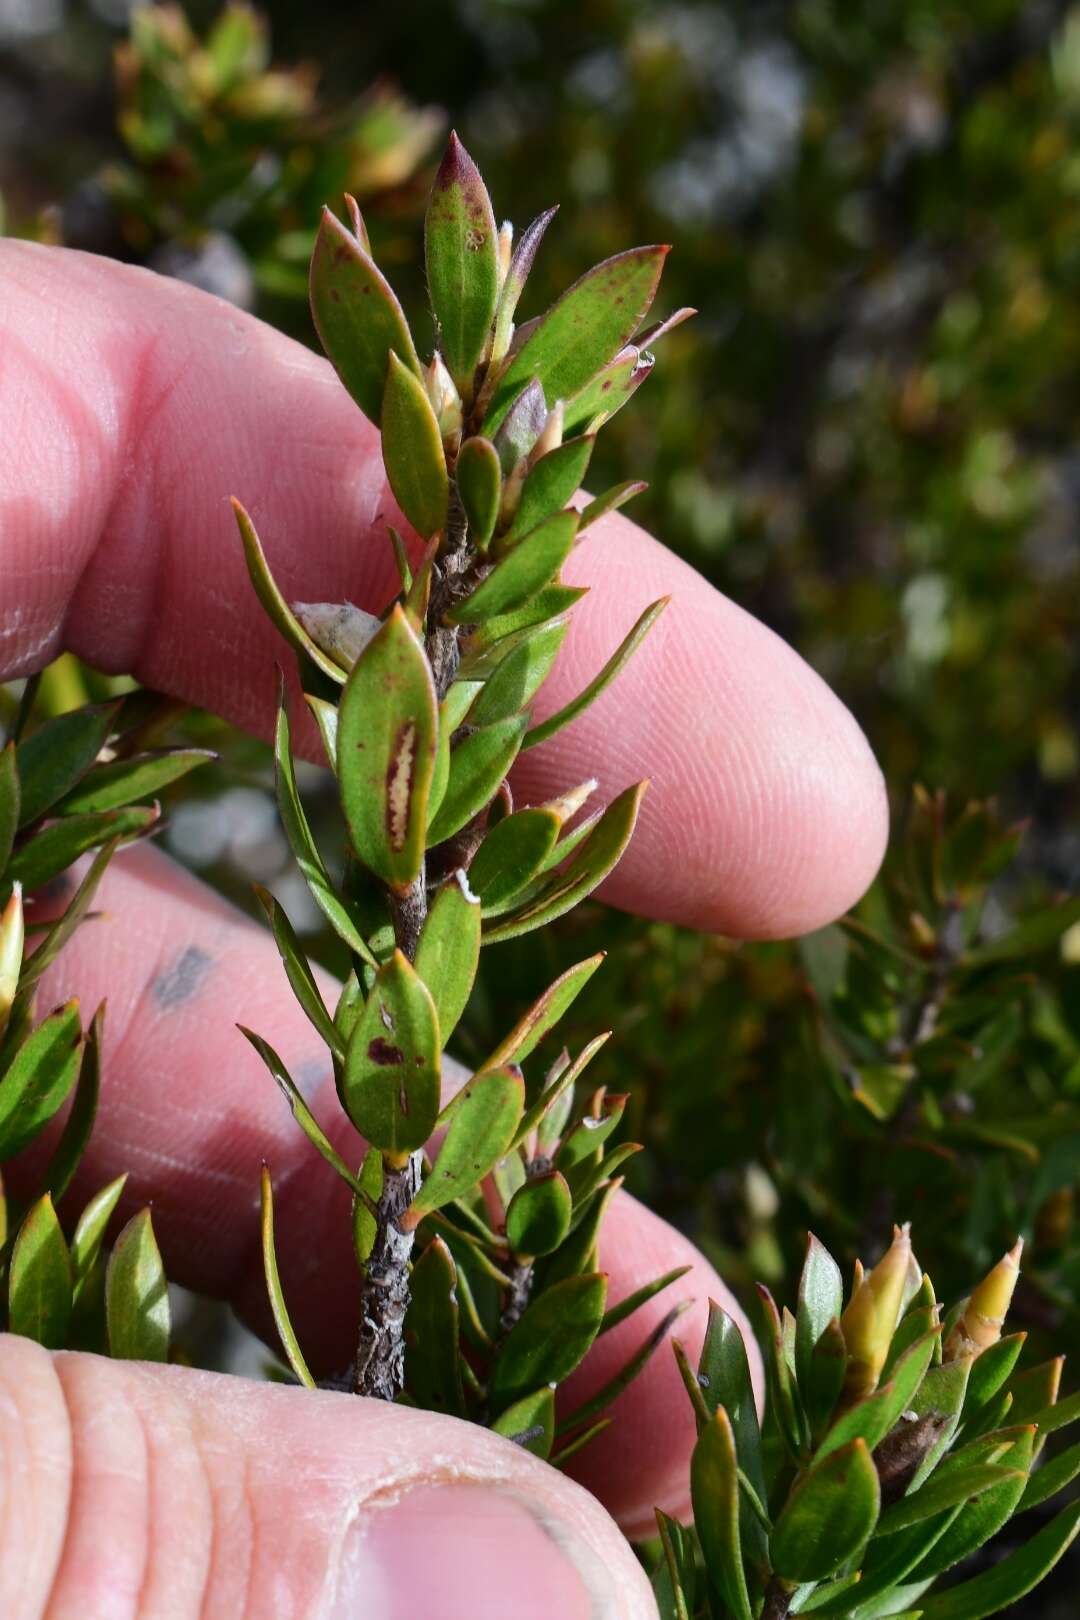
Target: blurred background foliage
{"type": "Point", "coordinates": [868, 438]}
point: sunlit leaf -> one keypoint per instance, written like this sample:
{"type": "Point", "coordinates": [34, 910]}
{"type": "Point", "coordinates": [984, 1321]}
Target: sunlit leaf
{"type": "Point", "coordinates": [538, 1216]}
{"type": "Point", "coordinates": [511, 854]}
{"type": "Point", "coordinates": [286, 1333]}
{"type": "Point", "coordinates": [828, 1516]}
{"type": "Point", "coordinates": [273, 602]}
{"type": "Point", "coordinates": [390, 1081]}
{"type": "Point", "coordinates": [449, 951]}
{"type": "Point", "coordinates": [533, 563]}
{"type": "Point", "coordinates": [550, 1340]}
{"type": "Point", "coordinates": [479, 483]}
{"type": "Point", "coordinates": [40, 1280]}
{"type": "Point", "coordinates": [477, 766]}
{"type": "Point", "coordinates": [413, 451]}
{"type": "Point", "coordinates": [461, 257]}
{"type": "Point", "coordinates": [39, 1078]}
{"type": "Point", "coordinates": [482, 1120]}
{"type": "Point", "coordinates": [58, 754]}
{"type": "Point", "coordinates": [552, 481]}
{"type": "Point", "coordinates": [619, 658]}
{"type": "Point", "coordinates": [544, 1013]}
{"type": "Point", "coordinates": [137, 1295]}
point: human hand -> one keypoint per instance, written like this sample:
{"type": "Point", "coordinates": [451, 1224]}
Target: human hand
{"type": "Point", "coordinates": [133, 408]}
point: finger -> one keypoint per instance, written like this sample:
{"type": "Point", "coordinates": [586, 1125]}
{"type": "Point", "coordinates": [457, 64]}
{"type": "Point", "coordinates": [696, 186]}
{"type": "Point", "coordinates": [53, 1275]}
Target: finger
{"type": "Point", "coordinates": [136, 406]}
{"type": "Point", "coordinates": [130, 1489]}
{"type": "Point", "coordinates": [189, 1111]}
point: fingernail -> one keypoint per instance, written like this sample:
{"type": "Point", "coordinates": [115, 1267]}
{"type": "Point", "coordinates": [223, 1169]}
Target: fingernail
{"type": "Point", "coordinates": [464, 1552]}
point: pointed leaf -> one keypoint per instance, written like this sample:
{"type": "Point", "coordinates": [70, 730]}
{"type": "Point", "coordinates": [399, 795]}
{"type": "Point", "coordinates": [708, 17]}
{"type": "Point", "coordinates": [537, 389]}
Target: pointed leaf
{"type": "Point", "coordinates": [449, 951]}
{"type": "Point", "coordinates": [828, 1516]}
{"type": "Point", "coordinates": [483, 1118]}
{"type": "Point", "coordinates": [821, 1299]}
{"type": "Point", "coordinates": [551, 483]}
{"type": "Point", "coordinates": [610, 501]}
{"type": "Point", "coordinates": [945, 1491]}
{"type": "Point", "coordinates": [65, 925]}
{"type": "Point", "coordinates": [90, 1230]}
{"type": "Point", "coordinates": [273, 602]}
{"type": "Point", "coordinates": [514, 681]}
{"type": "Point", "coordinates": [608, 391]}
{"type": "Point", "coordinates": [125, 781]}
{"type": "Point", "coordinates": [390, 1083]}
{"type": "Point", "coordinates": [520, 428]}
{"type": "Point", "coordinates": [521, 264]}
{"type": "Point", "coordinates": [538, 1216]}
{"type": "Point", "coordinates": [40, 1281]}
{"type": "Point", "coordinates": [552, 1338]}
{"type": "Point", "coordinates": [53, 850]}
{"type": "Point", "coordinates": [60, 752]}
{"type": "Point", "coordinates": [300, 1110]}
{"type": "Point", "coordinates": [477, 767]}
{"type": "Point", "coordinates": [512, 854]}
{"type": "Point", "coordinates": [357, 316]}
{"type": "Point", "coordinates": [75, 1136]}
{"type": "Point", "coordinates": [9, 802]}
{"type": "Point", "coordinates": [723, 1377]}
{"type": "Point", "coordinates": [613, 1387]}
{"type": "Point", "coordinates": [432, 1365]}
{"type": "Point", "coordinates": [714, 1491]}
{"type": "Point", "coordinates": [586, 870]}
{"type": "Point", "coordinates": [278, 1309]}
{"type": "Point", "coordinates": [478, 474]}
{"type": "Point", "coordinates": [871, 1418]}
{"type": "Point", "coordinates": [387, 722]}
{"type": "Point", "coordinates": [298, 971]}
{"type": "Point", "coordinates": [544, 1013]}
{"type": "Point", "coordinates": [39, 1078]}
{"type": "Point", "coordinates": [583, 329]}
{"type": "Point", "coordinates": [619, 658]}
{"type": "Point", "coordinates": [530, 1422]}
{"type": "Point", "coordinates": [552, 602]}
{"type": "Point", "coordinates": [588, 1135]}
{"type": "Point", "coordinates": [1006, 1583]}
{"type": "Point", "coordinates": [413, 451]}
{"type": "Point", "coordinates": [641, 1296]}
{"type": "Point", "coordinates": [532, 564]}
{"type": "Point", "coordinates": [1052, 1477]}
{"type": "Point", "coordinates": [548, 1114]}
{"type": "Point", "coordinates": [137, 1295]}
{"type": "Point", "coordinates": [460, 242]}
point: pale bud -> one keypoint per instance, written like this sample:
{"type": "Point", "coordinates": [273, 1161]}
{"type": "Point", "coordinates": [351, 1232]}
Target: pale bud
{"type": "Point", "coordinates": [980, 1323]}
{"type": "Point", "coordinates": [12, 935]}
{"type": "Point", "coordinates": [505, 250]}
{"type": "Point", "coordinates": [339, 628]}
{"type": "Point", "coordinates": [869, 1322]}
{"type": "Point", "coordinates": [569, 803]}
{"type": "Point", "coordinates": [551, 435]}
{"type": "Point", "coordinates": [444, 397]}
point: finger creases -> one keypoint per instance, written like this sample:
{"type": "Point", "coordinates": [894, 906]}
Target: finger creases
{"type": "Point", "coordinates": [134, 419]}
{"type": "Point", "coordinates": [136, 1491]}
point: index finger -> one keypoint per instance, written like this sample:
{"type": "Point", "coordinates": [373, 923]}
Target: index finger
{"type": "Point", "coordinates": [134, 406]}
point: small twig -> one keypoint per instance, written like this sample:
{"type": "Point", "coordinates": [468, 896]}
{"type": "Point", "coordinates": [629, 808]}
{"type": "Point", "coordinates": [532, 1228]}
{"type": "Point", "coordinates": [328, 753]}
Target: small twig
{"type": "Point", "coordinates": [384, 1299]}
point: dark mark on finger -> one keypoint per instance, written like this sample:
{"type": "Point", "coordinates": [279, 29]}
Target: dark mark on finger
{"type": "Point", "coordinates": [178, 983]}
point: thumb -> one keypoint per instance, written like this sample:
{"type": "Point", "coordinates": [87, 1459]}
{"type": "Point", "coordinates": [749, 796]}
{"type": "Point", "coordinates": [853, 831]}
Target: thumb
{"type": "Point", "coordinates": [159, 1493]}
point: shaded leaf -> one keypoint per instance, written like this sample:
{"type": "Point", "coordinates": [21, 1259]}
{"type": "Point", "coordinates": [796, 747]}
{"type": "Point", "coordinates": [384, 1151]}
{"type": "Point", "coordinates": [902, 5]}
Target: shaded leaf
{"type": "Point", "coordinates": [137, 1295]}
{"type": "Point", "coordinates": [828, 1516]}
{"type": "Point", "coordinates": [387, 722]}
{"type": "Point", "coordinates": [298, 971]}
{"type": "Point", "coordinates": [511, 854]}
{"type": "Point", "coordinates": [552, 1337]}
{"type": "Point", "coordinates": [390, 1081]}
{"type": "Point", "coordinates": [482, 1120]}
{"type": "Point", "coordinates": [871, 1418]}
{"type": "Point", "coordinates": [357, 316]}
{"type": "Point", "coordinates": [9, 802]}
{"type": "Point", "coordinates": [39, 1078]}
{"type": "Point", "coordinates": [551, 483]}
{"type": "Point", "coordinates": [554, 1102]}
{"type": "Point", "coordinates": [821, 1299]}
{"type": "Point", "coordinates": [75, 1136]}
{"type": "Point", "coordinates": [533, 563]}
{"type": "Point", "coordinates": [449, 951]}
{"type": "Point", "coordinates": [432, 1366]}
{"type": "Point", "coordinates": [714, 1491]}
{"type": "Point", "coordinates": [520, 428]}
{"type": "Point", "coordinates": [519, 676]}
{"type": "Point", "coordinates": [300, 1110]}
{"type": "Point", "coordinates": [413, 451]}
{"type": "Point", "coordinates": [139, 776]}
{"type": "Point", "coordinates": [286, 1334]}
{"type": "Point", "coordinates": [995, 1589]}
{"type": "Point", "coordinates": [478, 474]}
{"type": "Point", "coordinates": [477, 767]}
{"type": "Point", "coordinates": [550, 603]}
{"type": "Point", "coordinates": [517, 275]}
{"type": "Point", "coordinates": [544, 1013]}
{"type": "Point", "coordinates": [945, 1491]}
{"type": "Point", "coordinates": [58, 754]}
{"type": "Point", "coordinates": [53, 850]}
{"type": "Point", "coordinates": [641, 1296]}
{"type": "Point", "coordinates": [538, 1216]}
{"type": "Point", "coordinates": [610, 501]}
{"type": "Point", "coordinates": [530, 1422]}
{"type": "Point", "coordinates": [89, 1232]}
{"type": "Point", "coordinates": [65, 925]}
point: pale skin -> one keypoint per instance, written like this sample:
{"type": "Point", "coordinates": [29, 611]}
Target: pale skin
{"type": "Point", "coordinates": [132, 408]}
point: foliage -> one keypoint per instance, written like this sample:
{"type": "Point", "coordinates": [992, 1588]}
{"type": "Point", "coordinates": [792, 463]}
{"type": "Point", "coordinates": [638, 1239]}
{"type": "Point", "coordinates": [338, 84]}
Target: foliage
{"type": "Point", "coordinates": [895, 1443]}
{"type": "Point", "coordinates": [70, 785]}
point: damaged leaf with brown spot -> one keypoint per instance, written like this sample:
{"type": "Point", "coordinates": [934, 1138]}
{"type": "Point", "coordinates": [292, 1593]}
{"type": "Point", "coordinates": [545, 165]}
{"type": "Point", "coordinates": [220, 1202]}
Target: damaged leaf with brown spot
{"type": "Point", "coordinates": [390, 1079]}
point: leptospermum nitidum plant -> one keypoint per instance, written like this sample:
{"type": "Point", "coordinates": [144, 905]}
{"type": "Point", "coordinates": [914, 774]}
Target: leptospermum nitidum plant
{"type": "Point", "coordinates": [479, 1291]}
{"type": "Point", "coordinates": [71, 785]}
{"type": "Point", "coordinates": [894, 1443]}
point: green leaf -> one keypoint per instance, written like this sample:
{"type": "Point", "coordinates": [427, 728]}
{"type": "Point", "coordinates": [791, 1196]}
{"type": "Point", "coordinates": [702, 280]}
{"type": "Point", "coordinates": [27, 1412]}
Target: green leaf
{"type": "Point", "coordinates": [273, 602]}
{"type": "Point", "coordinates": [357, 316]}
{"type": "Point", "coordinates": [365, 1226]}
{"type": "Point", "coordinates": [1029, 938]}
{"type": "Point", "coordinates": [1006, 1583]}
{"type": "Point", "coordinates": [618, 660]}
{"type": "Point", "coordinates": [1052, 1477]}
{"type": "Point", "coordinates": [387, 723]}
{"type": "Point", "coordinates": [432, 1365]}
{"type": "Point", "coordinates": [390, 1082]}
{"type": "Point", "coordinates": [538, 1217]}
{"type": "Point", "coordinates": [871, 1418]}
{"type": "Point", "coordinates": [449, 951]}
{"type": "Point", "coordinates": [477, 767]}
{"type": "Point", "coordinates": [1056, 1416]}
{"type": "Point", "coordinates": [123, 781]}
{"type": "Point", "coordinates": [984, 1515]}
{"type": "Point", "coordinates": [824, 1380]}
{"type": "Point", "coordinates": [511, 854]}
{"type": "Point", "coordinates": [610, 501]}
{"type": "Point", "coordinates": [821, 1299]}
{"type": "Point", "coordinates": [545, 1012]}
{"type": "Point", "coordinates": [641, 1296]}
{"type": "Point", "coordinates": [828, 1516]}
{"type": "Point", "coordinates": [300, 1110]}
{"type": "Point", "coordinates": [55, 756]}
{"type": "Point", "coordinates": [588, 1136]}
{"type": "Point", "coordinates": [723, 1376]}
{"type": "Point", "coordinates": [39, 1078]}
{"type": "Point", "coordinates": [461, 254]}
{"type": "Point", "coordinates": [53, 850]}
{"type": "Point", "coordinates": [40, 1283]}
{"type": "Point", "coordinates": [530, 1422]}
{"type": "Point", "coordinates": [674, 1579]}
{"type": "Point", "coordinates": [9, 802]}
{"type": "Point", "coordinates": [66, 924]}
{"type": "Point", "coordinates": [552, 1337]}
{"type": "Point", "coordinates": [990, 1370]}
{"type": "Point", "coordinates": [278, 1309]}
{"type": "Point", "coordinates": [608, 391]}
{"type": "Point", "coordinates": [90, 1230]}
{"type": "Point", "coordinates": [482, 1120]}
{"type": "Point", "coordinates": [298, 971]}
{"type": "Point", "coordinates": [586, 870]}
{"type": "Point", "coordinates": [517, 275]}
{"type": "Point", "coordinates": [714, 1491]}
{"type": "Point", "coordinates": [582, 330]}
{"type": "Point", "coordinates": [551, 1109]}
{"type": "Point", "coordinates": [478, 475]}
{"type": "Point", "coordinates": [942, 1393]}
{"type": "Point", "coordinates": [550, 603]}
{"type": "Point", "coordinates": [551, 483]}
{"type": "Point", "coordinates": [413, 451]}
{"type": "Point", "coordinates": [533, 563]}
{"type": "Point", "coordinates": [302, 844]}
{"type": "Point", "coordinates": [520, 675]}
{"type": "Point", "coordinates": [613, 1387]}
{"type": "Point", "coordinates": [945, 1491]}
{"type": "Point", "coordinates": [137, 1295]}
{"type": "Point", "coordinates": [75, 1136]}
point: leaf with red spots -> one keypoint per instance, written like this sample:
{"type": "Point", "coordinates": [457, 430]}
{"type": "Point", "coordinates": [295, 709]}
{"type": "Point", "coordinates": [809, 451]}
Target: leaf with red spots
{"type": "Point", "coordinates": [390, 1079]}
{"type": "Point", "coordinates": [582, 330]}
{"type": "Point", "coordinates": [461, 246]}
{"type": "Point", "coordinates": [387, 727]}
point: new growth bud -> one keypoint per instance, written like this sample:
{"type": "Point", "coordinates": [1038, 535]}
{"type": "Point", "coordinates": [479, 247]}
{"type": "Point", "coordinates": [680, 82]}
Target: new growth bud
{"type": "Point", "coordinates": [980, 1323]}
{"type": "Point", "coordinates": [870, 1319]}
{"type": "Point", "coordinates": [11, 953]}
